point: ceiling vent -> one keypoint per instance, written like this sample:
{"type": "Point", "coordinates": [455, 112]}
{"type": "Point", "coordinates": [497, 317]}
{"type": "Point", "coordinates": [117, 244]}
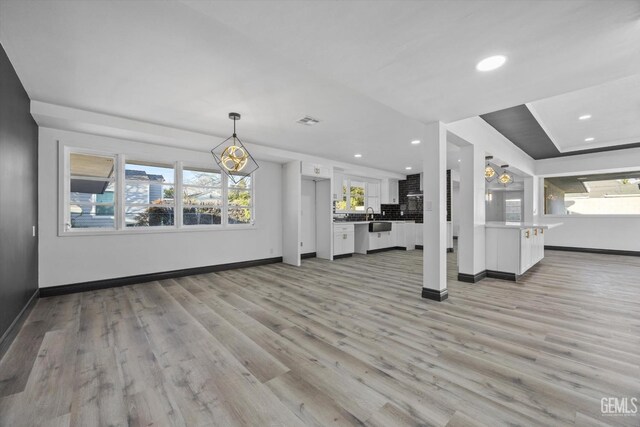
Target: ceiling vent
{"type": "Point", "coordinates": [307, 121]}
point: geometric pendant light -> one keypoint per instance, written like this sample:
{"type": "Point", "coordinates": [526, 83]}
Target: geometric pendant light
{"type": "Point", "coordinates": [233, 157]}
{"type": "Point", "coordinates": [505, 177]}
{"type": "Point", "coordinates": [489, 172]}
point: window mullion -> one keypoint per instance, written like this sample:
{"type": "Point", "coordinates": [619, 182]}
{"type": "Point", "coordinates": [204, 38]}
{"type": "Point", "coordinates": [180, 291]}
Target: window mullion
{"type": "Point", "coordinates": [120, 187]}
{"type": "Point", "coordinates": [177, 195]}
{"type": "Point", "coordinates": [225, 200]}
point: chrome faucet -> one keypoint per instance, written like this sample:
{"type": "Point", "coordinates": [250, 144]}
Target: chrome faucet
{"type": "Point", "coordinates": [366, 218]}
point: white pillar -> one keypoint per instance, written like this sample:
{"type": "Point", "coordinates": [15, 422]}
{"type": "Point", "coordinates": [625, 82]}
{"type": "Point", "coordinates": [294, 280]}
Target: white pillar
{"type": "Point", "coordinates": [434, 186]}
{"type": "Point", "coordinates": [292, 206]}
{"type": "Point", "coordinates": [471, 242]}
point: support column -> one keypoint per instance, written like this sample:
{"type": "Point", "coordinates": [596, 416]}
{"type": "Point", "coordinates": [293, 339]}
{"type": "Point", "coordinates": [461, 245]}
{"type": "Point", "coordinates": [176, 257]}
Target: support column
{"type": "Point", "coordinates": [530, 198]}
{"type": "Point", "coordinates": [434, 186]}
{"type": "Point", "coordinates": [292, 205]}
{"type": "Point", "coordinates": [471, 242]}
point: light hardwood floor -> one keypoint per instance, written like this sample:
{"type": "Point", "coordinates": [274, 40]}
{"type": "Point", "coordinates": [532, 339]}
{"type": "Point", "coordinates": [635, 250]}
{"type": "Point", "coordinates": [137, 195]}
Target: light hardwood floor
{"type": "Point", "coordinates": [348, 342]}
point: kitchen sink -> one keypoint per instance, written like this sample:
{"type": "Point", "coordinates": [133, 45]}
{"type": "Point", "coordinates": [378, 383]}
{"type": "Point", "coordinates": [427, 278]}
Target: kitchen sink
{"type": "Point", "coordinates": [377, 226]}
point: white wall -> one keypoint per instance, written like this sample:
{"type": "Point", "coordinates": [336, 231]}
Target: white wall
{"type": "Point", "coordinates": [455, 208]}
{"type": "Point", "coordinates": [618, 233]}
{"type": "Point", "coordinates": [73, 259]}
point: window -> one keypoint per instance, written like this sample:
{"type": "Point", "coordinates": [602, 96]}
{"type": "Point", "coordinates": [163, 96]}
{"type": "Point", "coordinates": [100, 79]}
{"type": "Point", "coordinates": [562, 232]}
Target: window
{"type": "Point", "coordinates": [201, 197]}
{"type": "Point", "coordinates": [240, 206]}
{"type": "Point", "coordinates": [112, 193]}
{"type": "Point", "coordinates": [149, 195]}
{"type": "Point", "coordinates": [357, 195]}
{"type": "Point", "coordinates": [91, 189]}
{"type": "Point", "coordinates": [513, 210]}
{"type": "Point", "coordinates": [600, 194]}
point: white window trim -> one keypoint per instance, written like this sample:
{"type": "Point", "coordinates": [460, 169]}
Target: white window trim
{"type": "Point", "coordinates": [64, 180]}
{"type": "Point", "coordinates": [367, 182]}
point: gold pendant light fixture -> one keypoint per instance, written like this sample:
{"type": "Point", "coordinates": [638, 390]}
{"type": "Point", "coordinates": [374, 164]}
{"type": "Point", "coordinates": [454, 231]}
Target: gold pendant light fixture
{"type": "Point", "coordinates": [505, 177]}
{"type": "Point", "coordinates": [234, 158]}
{"type": "Point", "coordinates": [489, 172]}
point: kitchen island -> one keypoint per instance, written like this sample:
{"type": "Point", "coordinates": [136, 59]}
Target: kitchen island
{"type": "Point", "coordinates": [512, 248]}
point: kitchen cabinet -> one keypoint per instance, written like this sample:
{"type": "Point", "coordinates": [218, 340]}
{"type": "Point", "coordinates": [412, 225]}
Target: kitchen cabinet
{"type": "Point", "coordinates": [389, 193]}
{"type": "Point", "coordinates": [380, 240]}
{"type": "Point", "coordinates": [419, 228]}
{"type": "Point", "coordinates": [316, 170]}
{"type": "Point", "coordinates": [343, 239]}
{"type": "Point", "coordinates": [373, 196]}
{"type": "Point", "coordinates": [513, 248]}
{"type": "Point", "coordinates": [338, 183]}
{"type": "Point", "coordinates": [405, 235]}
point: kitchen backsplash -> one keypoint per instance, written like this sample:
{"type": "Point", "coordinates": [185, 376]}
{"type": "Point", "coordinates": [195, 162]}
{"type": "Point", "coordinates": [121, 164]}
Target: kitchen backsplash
{"type": "Point", "coordinates": [409, 208]}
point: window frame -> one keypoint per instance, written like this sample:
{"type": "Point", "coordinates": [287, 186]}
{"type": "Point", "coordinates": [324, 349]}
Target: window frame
{"type": "Point", "coordinates": [123, 212]}
{"type": "Point", "coordinates": [222, 197]}
{"type": "Point", "coordinates": [543, 199]}
{"type": "Point", "coordinates": [225, 200]}
{"type": "Point", "coordinates": [346, 194]}
{"type": "Point", "coordinates": [119, 205]}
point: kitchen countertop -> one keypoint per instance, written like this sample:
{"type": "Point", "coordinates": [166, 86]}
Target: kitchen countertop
{"type": "Point", "coordinates": [367, 222]}
{"type": "Point", "coordinates": [520, 225]}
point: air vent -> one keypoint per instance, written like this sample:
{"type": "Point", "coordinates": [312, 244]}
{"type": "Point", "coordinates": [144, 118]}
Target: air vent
{"type": "Point", "coordinates": [308, 121]}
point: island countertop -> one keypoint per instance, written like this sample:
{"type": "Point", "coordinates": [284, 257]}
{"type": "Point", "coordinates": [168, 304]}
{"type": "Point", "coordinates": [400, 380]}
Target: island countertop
{"type": "Point", "coordinates": [520, 225]}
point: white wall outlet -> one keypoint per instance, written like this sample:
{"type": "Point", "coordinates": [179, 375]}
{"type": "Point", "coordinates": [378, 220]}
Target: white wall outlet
{"type": "Point", "coordinates": [34, 231]}
{"type": "Point", "coordinates": [383, 213]}
{"type": "Point", "coordinates": [401, 213]}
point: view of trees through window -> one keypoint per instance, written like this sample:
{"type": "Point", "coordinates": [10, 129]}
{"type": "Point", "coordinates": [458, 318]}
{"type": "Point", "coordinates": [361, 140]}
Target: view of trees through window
{"type": "Point", "coordinates": [201, 197]}
{"type": "Point", "coordinates": [599, 194]}
{"type": "Point", "coordinates": [355, 196]}
{"type": "Point", "coordinates": [239, 196]}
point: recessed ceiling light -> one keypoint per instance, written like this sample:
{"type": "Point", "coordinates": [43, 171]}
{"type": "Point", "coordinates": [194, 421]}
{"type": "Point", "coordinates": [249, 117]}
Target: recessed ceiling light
{"type": "Point", "coordinates": [459, 160]}
{"type": "Point", "coordinates": [491, 63]}
{"type": "Point", "coordinates": [415, 142]}
{"type": "Point", "coordinates": [357, 156]}
{"type": "Point", "coordinates": [408, 168]}
{"type": "Point", "coordinates": [585, 117]}
{"type": "Point", "coordinates": [588, 139]}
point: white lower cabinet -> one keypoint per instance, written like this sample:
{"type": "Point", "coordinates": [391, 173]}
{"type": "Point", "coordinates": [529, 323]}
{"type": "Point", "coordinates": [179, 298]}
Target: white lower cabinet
{"type": "Point", "coordinates": [405, 235]}
{"type": "Point", "coordinates": [380, 240]}
{"type": "Point", "coordinates": [343, 239]}
{"type": "Point", "coordinates": [513, 250]}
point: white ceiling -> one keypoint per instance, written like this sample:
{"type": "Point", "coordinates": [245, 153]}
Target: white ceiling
{"type": "Point", "coordinates": [372, 72]}
{"type": "Point", "coordinates": [615, 115]}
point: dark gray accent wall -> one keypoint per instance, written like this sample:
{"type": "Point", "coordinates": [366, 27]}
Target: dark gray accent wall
{"type": "Point", "coordinates": [18, 197]}
{"type": "Point", "coordinates": [519, 126]}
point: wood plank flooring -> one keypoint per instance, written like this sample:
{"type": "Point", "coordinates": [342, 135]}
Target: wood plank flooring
{"type": "Point", "coordinates": [343, 343]}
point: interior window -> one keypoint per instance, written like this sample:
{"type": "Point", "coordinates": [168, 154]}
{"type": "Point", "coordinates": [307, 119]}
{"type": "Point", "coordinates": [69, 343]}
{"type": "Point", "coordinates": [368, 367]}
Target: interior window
{"type": "Point", "coordinates": [599, 194]}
